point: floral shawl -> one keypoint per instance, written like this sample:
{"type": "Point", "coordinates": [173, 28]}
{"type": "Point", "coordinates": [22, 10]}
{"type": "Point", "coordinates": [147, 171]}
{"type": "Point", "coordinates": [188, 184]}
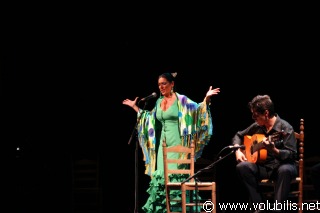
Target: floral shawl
{"type": "Point", "coordinates": [195, 123]}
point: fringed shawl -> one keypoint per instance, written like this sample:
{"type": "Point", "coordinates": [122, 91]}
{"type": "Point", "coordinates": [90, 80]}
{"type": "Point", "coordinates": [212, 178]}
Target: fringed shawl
{"type": "Point", "coordinates": [195, 123]}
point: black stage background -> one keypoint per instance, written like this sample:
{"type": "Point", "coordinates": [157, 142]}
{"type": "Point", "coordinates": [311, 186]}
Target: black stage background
{"type": "Point", "coordinates": [62, 89]}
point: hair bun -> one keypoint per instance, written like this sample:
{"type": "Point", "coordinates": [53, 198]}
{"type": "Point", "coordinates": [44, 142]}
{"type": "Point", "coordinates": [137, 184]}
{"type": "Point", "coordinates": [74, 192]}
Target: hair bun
{"type": "Point", "coordinates": [174, 74]}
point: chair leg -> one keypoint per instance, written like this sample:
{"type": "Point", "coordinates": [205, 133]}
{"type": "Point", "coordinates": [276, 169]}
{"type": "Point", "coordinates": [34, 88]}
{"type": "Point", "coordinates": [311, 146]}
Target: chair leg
{"type": "Point", "coordinates": [300, 204]}
{"type": "Point", "coordinates": [183, 199]}
{"type": "Point", "coordinates": [168, 200]}
{"type": "Point", "coordinates": [213, 200]}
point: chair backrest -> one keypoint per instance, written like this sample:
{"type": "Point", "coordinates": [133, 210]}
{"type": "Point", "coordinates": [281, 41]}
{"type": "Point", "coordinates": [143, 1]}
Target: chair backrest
{"type": "Point", "coordinates": [300, 140]}
{"type": "Point", "coordinates": [87, 191]}
{"type": "Point", "coordinates": [182, 165]}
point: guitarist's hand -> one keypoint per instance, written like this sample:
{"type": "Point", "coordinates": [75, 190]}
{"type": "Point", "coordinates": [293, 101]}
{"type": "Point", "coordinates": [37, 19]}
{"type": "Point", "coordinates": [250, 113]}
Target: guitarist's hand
{"type": "Point", "coordinates": [269, 145]}
{"type": "Point", "coordinates": [240, 157]}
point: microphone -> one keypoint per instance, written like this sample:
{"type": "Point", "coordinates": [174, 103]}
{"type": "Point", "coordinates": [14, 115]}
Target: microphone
{"type": "Point", "coordinates": [153, 95]}
{"type": "Point", "coordinates": [237, 147]}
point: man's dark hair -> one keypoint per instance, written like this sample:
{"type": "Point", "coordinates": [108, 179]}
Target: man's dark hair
{"type": "Point", "coordinates": [261, 103]}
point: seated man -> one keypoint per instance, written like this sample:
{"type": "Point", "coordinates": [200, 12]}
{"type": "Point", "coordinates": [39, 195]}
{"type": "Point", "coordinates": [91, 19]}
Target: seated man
{"type": "Point", "coordinates": [279, 163]}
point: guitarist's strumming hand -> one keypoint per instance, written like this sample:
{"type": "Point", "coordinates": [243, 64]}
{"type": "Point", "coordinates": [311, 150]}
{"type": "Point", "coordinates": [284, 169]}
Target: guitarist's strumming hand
{"type": "Point", "coordinates": [240, 157]}
{"type": "Point", "coordinates": [269, 145]}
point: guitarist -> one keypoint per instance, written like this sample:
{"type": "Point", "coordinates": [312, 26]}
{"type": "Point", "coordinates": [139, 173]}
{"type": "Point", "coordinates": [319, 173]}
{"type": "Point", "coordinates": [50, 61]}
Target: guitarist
{"type": "Point", "coordinates": [281, 154]}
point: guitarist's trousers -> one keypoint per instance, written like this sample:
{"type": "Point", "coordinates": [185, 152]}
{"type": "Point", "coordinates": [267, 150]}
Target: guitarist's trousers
{"type": "Point", "coordinates": [251, 174]}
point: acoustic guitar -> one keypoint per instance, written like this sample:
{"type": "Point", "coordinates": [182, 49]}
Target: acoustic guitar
{"type": "Point", "coordinates": [255, 151]}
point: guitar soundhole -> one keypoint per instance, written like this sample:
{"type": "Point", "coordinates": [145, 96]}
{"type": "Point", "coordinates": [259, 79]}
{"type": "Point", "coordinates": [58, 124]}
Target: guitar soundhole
{"type": "Point", "coordinates": [253, 144]}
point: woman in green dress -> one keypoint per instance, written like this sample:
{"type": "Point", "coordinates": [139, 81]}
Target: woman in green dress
{"type": "Point", "coordinates": [177, 120]}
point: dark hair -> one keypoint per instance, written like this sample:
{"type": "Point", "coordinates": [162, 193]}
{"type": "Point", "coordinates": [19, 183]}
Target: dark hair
{"type": "Point", "coordinates": [260, 103]}
{"type": "Point", "coordinates": [169, 76]}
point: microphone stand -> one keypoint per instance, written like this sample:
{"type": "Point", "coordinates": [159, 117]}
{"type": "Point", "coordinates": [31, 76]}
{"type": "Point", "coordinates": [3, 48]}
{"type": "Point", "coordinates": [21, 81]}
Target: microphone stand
{"type": "Point", "coordinates": [206, 168]}
{"type": "Point", "coordinates": [136, 170]}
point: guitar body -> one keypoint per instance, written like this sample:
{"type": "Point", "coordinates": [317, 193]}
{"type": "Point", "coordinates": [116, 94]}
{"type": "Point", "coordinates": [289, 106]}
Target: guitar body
{"type": "Point", "coordinates": [254, 151]}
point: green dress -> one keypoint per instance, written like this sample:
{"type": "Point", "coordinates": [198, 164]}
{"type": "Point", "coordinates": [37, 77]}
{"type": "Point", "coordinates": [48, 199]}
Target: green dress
{"type": "Point", "coordinates": [169, 132]}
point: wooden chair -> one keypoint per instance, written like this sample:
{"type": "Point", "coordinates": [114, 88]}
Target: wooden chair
{"type": "Point", "coordinates": [297, 184]}
{"type": "Point", "coordinates": [86, 183]}
{"type": "Point", "coordinates": [189, 187]}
